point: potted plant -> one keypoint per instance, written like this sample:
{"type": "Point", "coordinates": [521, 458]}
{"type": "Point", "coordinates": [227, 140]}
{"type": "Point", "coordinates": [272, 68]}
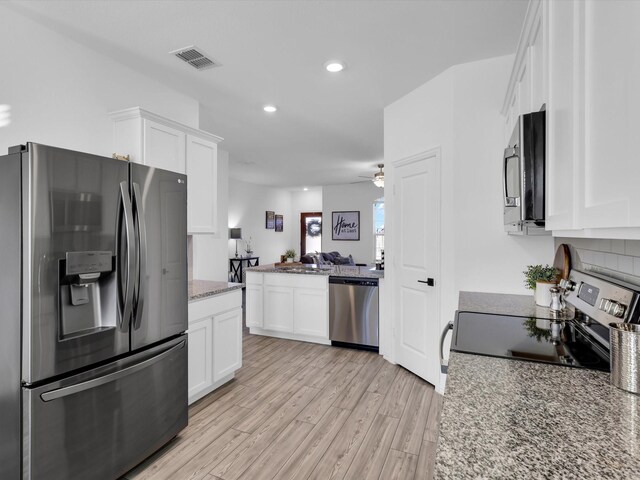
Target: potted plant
{"type": "Point", "coordinates": [289, 255]}
{"type": "Point", "coordinates": [540, 279]}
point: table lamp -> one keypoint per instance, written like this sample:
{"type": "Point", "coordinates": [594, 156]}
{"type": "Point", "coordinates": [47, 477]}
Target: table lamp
{"type": "Point", "coordinates": [235, 234]}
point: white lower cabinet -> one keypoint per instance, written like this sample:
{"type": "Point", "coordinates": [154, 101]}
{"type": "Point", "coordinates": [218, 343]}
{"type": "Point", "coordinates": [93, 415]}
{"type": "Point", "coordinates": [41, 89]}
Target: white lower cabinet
{"type": "Point", "coordinates": [254, 300]}
{"type": "Point", "coordinates": [200, 370]}
{"type": "Point", "coordinates": [288, 305]}
{"type": "Point", "coordinates": [310, 312]}
{"type": "Point", "coordinates": [278, 308]}
{"type": "Point", "coordinates": [227, 343]}
{"type": "Point", "coordinates": [215, 342]}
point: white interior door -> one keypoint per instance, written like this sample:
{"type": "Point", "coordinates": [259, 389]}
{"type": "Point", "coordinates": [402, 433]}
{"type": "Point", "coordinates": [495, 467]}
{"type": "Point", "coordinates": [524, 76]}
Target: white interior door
{"type": "Point", "coordinates": [416, 250]}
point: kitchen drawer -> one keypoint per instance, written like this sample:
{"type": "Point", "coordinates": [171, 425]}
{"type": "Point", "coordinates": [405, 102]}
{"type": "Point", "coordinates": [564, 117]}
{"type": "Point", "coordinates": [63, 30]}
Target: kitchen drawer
{"type": "Point", "coordinates": [253, 278]}
{"type": "Point", "coordinates": [296, 280]}
{"type": "Point", "coordinates": [214, 305]}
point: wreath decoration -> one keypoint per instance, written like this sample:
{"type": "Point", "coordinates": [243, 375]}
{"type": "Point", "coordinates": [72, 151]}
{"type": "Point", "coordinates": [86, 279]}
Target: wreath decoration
{"type": "Point", "coordinates": [314, 228]}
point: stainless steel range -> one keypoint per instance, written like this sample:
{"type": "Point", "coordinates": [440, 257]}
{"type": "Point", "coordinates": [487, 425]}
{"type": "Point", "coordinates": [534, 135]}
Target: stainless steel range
{"type": "Point", "coordinates": [93, 351]}
{"type": "Point", "coordinates": [577, 337]}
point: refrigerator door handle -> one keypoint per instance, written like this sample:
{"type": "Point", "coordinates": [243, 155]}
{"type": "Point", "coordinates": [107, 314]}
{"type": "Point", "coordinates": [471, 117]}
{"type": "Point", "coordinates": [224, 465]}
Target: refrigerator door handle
{"type": "Point", "coordinates": [111, 377]}
{"type": "Point", "coordinates": [125, 306]}
{"type": "Point", "coordinates": [142, 255]}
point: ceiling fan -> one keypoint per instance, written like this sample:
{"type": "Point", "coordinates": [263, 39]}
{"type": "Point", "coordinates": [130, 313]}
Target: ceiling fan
{"type": "Point", "coordinates": [378, 177]}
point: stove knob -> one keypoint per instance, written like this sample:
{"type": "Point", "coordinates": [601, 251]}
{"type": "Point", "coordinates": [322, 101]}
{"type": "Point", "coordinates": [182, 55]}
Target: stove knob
{"type": "Point", "coordinates": [612, 307]}
{"type": "Point", "coordinates": [567, 285]}
{"type": "Point", "coordinates": [604, 305]}
{"type": "Point", "coordinates": [617, 309]}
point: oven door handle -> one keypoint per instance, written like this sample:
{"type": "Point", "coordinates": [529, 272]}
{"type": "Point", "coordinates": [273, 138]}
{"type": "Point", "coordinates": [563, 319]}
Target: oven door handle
{"type": "Point", "coordinates": [444, 365]}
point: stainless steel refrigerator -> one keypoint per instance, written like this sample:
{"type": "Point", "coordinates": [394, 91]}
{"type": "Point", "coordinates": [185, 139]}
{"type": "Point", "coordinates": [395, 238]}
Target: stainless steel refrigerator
{"type": "Point", "coordinates": [93, 288]}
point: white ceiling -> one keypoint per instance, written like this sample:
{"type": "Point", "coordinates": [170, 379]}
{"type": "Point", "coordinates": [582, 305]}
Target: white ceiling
{"type": "Point", "coordinates": [329, 127]}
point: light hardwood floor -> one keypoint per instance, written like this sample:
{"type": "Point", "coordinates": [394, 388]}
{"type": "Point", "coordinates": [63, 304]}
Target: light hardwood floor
{"type": "Point", "coordinates": [304, 411]}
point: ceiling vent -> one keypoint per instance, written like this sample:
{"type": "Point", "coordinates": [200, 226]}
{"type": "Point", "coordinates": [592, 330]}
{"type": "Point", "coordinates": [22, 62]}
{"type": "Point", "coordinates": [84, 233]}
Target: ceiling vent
{"type": "Point", "coordinates": [195, 57]}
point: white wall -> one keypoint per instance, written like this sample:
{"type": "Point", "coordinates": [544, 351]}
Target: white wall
{"type": "Point", "coordinates": [60, 91]}
{"type": "Point", "coordinates": [352, 197]}
{"type": "Point", "coordinates": [210, 252]}
{"type": "Point", "coordinates": [493, 261]}
{"type": "Point", "coordinates": [248, 203]}
{"type": "Point", "coordinates": [301, 201]}
{"type": "Point", "coordinates": [458, 111]}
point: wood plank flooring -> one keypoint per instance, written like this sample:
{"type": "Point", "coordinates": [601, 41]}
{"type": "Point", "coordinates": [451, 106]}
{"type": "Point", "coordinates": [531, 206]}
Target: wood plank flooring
{"type": "Point", "coordinates": [302, 411]}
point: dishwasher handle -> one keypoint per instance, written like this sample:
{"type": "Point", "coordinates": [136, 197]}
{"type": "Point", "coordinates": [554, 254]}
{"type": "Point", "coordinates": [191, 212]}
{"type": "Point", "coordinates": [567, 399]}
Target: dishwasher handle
{"type": "Point", "coordinates": [360, 282]}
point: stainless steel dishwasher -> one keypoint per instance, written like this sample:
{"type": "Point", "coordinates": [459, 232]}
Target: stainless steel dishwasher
{"type": "Point", "coordinates": [353, 311]}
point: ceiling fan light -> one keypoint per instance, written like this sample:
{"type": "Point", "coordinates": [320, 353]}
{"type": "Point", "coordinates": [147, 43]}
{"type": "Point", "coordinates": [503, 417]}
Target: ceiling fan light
{"type": "Point", "coordinates": [378, 180]}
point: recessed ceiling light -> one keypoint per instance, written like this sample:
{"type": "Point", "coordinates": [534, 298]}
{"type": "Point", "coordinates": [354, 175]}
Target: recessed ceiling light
{"type": "Point", "coordinates": [334, 66]}
{"type": "Point", "coordinates": [270, 108]}
{"type": "Point", "coordinates": [305, 189]}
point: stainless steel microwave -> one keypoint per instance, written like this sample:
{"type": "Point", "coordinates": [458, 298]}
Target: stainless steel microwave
{"type": "Point", "coordinates": [523, 177]}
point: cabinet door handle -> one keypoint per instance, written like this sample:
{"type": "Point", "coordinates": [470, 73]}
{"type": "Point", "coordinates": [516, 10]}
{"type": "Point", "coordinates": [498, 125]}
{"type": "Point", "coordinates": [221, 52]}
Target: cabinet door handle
{"type": "Point", "coordinates": [429, 281]}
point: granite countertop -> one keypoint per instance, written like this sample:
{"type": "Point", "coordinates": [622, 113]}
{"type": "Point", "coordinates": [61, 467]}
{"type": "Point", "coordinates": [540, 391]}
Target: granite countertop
{"type": "Point", "coordinates": [513, 419]}
{"type": "Point", "coordinates": [329, 270]}
{"type": "Point", "coordinates": [199, 289]}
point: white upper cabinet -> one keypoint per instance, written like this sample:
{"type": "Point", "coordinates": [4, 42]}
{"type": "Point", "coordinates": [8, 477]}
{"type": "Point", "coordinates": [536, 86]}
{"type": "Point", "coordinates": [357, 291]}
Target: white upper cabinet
{"type": "Point", "coordinates": [163, 147]}
{"type": "Point", "coordinates": [202, 187]}
{"type": "Point", "coordinates": [162, 143]}
{"type": "Point", "coordinates": [588, 54]}
{"type": "Point", "coordinates": [563, 184]}
{"type": "Point", "coordinates": [526, 91]}
{"type": "Point", "coordinates": [610, 57]}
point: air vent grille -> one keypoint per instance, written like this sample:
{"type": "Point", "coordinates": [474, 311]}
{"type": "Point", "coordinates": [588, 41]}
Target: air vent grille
{"type": "Point", "coordinates": [194, 57]}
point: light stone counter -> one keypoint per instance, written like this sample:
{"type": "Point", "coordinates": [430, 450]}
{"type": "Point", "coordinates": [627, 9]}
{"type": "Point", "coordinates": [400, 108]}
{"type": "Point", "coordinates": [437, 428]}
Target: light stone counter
{"type": "Point", "coordinates": [199, 289]}
{"type": "Point", "coordinates": [512, 419]}
{"type": "Point", "coordinates": [330, 270]}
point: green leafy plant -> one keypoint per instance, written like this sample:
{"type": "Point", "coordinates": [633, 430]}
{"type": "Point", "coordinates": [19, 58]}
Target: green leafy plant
{"type": "Point", "coordinates": [535, 273]}
{"type": "Point", "coordinates": [291, 253]}
{"type": "Point", "coordinates": [533, 331]}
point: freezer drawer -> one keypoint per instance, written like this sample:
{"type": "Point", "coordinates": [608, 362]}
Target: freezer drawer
{"type": "Point", "coordinates": [101, 423]}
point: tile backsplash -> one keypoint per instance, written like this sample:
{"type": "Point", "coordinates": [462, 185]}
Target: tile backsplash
{"type": "Point", "coordinates": [615, 258]}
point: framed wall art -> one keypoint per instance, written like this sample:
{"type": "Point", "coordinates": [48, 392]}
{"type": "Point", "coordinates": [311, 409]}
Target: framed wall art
{"type": "Point", "coordinates": [345, 226]}
{"type": "Point", "coordinates": [279, 223]}
{"type": "Point", "coordinates": [270, 220]}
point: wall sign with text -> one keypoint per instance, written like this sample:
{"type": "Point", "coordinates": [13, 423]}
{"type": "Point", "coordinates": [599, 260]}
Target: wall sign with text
{"type": "Point", "coordinates": [345, 225]}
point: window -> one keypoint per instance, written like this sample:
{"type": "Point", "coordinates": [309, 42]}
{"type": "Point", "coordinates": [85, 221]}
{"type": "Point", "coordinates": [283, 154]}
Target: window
{"type": "Point", "coordinates": [378, 228]}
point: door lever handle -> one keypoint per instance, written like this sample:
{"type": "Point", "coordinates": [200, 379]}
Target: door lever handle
{"type": "Point", "coordinates": [429, 281]}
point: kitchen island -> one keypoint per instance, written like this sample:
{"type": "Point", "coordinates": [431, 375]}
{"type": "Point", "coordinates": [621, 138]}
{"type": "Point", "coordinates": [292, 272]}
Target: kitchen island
{"type": "Point", "coordinates": [513, 419]}
{"type": "Point", "coordinates": [326, 270]}
{"type": "Point", "coordinates": [292, 302]}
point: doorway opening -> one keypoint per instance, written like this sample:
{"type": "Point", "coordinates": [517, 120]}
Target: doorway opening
{"type": "Point", "coordinates": [310, 232]}
{"type": "Point", "coordinates": [378, 229]}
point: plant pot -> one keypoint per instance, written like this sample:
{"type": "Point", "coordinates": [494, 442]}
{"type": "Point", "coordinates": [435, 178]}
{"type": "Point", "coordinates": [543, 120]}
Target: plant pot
{"type": "Point", "coordinates": [290, 260]}
{"type": "Point", "coordinates": [542, 293]}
